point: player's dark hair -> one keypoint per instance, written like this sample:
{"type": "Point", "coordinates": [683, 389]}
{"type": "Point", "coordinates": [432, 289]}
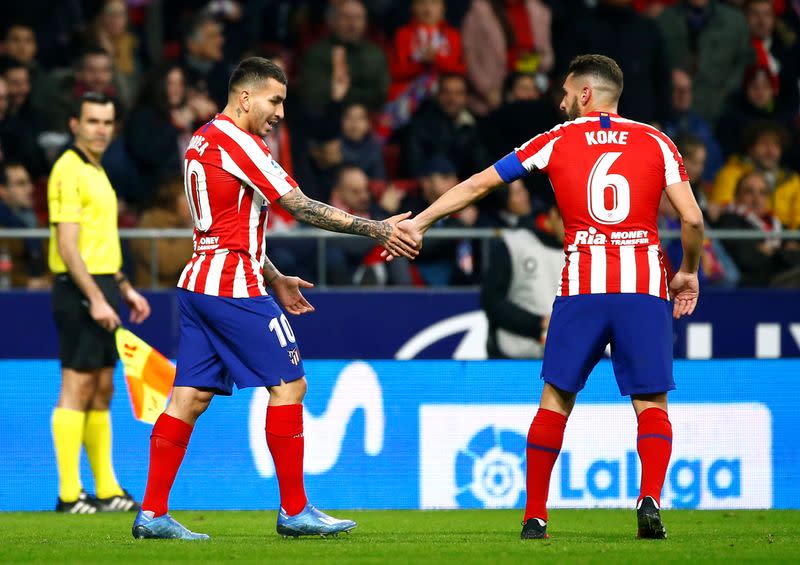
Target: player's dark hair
{"type": "Point", "coordinates": [600, 66]}
{"type": "Point", "coordinates": [255, 69]}
{"type": "Point", "coordinates": [91, 98]}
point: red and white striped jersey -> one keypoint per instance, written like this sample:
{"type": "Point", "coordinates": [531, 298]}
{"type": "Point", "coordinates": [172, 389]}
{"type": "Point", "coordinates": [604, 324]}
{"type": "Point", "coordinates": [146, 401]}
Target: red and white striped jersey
{"type": "Point", "coordinates": [230, 179]}
{"type": "Point", "coordinates": [608, 174]}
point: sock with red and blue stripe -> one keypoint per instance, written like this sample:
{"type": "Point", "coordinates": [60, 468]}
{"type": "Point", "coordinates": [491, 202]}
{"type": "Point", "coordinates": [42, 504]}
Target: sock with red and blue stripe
{"type": "Point", "coordinates": [545, 437]}
{"type": "Point", "coordinates": [654, 444]}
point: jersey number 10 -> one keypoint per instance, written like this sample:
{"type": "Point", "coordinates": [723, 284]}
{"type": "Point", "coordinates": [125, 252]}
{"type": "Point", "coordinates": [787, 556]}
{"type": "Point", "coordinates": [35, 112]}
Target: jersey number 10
{"type": "Point", "coordinates": [196, 189]}
{"type": "Point", "coordinates": [599, 182]}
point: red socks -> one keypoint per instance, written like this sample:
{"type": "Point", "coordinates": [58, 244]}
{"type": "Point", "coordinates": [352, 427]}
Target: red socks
{"type": "Point", "coordinates": [168, 443]}
{"type": "Point", "coordinates": [285, 442]}
{"type": "Point", "coordinates": [654, 443]}
{"type": "Point", "coordinates": [544, 442]}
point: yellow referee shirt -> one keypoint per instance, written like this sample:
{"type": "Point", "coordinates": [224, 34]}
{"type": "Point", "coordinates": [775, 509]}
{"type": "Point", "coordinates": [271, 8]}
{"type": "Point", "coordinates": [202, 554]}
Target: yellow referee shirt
{"type": "Point", "coordinates": [79, 192]}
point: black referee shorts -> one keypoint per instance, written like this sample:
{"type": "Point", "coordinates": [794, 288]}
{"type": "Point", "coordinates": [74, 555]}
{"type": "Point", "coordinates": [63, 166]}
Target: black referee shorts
{"type": "Point", "coordinates": [83, 344]}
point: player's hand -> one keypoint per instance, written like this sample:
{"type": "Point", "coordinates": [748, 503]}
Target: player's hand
{"type": "Point", "coordinates": [102, 313]}
{"type": "Point", "coordinates": [410, 231]}
{"type": "Point", "coordinates": [400, 242]}
{"type": "Point", "coordinates": [685, 290]}
{"type": "Point", "coordinates": [287, 291]}
{"type": "Point", "coordinates": [140, 307]}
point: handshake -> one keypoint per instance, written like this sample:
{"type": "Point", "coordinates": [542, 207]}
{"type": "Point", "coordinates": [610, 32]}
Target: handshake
{"type": "Point", "coordinates": [402, 237]}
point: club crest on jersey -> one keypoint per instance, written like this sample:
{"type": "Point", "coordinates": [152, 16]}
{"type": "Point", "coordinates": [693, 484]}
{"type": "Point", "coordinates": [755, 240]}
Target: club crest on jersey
{"type": "Point", "coordinates": [589, 237]}
{"type": "Point", "coordinates": [294, 356]}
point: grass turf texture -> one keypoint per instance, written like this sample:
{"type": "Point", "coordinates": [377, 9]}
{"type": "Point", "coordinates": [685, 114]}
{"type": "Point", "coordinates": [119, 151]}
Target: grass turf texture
{"type": "Point", "coordinates": [442, 537]}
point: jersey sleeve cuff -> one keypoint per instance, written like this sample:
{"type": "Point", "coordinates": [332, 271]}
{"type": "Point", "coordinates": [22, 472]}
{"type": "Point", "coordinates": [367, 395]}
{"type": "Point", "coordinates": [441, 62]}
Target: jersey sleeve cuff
{"type": "Point", "coordinates": [509, 168]}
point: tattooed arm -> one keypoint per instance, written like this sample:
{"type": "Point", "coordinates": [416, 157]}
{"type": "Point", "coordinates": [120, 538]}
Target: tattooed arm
{"type": "Point", "coordinates": [330, 218]}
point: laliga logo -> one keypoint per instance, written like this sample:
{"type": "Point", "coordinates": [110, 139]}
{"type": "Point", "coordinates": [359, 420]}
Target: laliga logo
{"type": "Point", "coordinates": [472, 346]}
{"type": "Point", "coordinates": [490, 472]}
{"type": "Point", "coordinates": [357, 387]}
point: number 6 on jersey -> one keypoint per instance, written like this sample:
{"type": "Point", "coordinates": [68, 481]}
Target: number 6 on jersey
{"type": "Point", "coordinates": [599, 181]}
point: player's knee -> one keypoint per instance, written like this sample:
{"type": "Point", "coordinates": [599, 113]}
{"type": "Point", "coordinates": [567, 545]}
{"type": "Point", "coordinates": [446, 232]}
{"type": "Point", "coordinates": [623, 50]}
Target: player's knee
{"type": "Point", "coordinates": [288, 393]}
{"type": "Point", "coordinates": [77, 390]}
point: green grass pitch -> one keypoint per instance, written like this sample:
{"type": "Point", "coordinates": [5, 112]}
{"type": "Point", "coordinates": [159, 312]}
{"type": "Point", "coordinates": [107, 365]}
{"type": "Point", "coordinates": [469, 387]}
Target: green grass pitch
{"type": "Point", "coordinates": [432, 538]}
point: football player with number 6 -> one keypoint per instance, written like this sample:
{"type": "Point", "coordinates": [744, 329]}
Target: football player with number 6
{"type": "Point", "coordinates": [232, 330]}
{"type": "Point", "coordinates": [608, 174]}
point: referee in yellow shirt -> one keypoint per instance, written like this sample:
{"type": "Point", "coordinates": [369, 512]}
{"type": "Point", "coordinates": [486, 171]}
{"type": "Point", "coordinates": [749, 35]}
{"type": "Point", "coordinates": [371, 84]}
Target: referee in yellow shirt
{"type": "Point", "coordinates": [86, 257]}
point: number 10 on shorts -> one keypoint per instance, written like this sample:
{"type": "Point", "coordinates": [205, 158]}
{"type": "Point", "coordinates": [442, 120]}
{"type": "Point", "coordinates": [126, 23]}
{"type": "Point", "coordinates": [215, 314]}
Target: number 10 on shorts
{"type": "Point", "coordinates": [283, 330]}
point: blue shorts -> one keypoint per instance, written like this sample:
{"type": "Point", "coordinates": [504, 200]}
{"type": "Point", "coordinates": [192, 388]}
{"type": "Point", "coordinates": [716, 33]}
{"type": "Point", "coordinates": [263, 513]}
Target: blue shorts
{"type": "Point", "coordinates": [247, 341]}
{"type": "Point", "coordinates": [638, 327]}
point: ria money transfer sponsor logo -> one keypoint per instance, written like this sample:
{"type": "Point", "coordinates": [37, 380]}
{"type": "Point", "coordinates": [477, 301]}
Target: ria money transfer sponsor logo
{"type": "Point", "coordinates": [472, 456]}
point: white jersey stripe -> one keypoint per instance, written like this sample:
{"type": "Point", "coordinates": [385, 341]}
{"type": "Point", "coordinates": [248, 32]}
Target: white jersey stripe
{"type": "Point", "coordinates": [266, 164]}
{"type": "Point", "coordinates": [184, 274]}
{"type": "Point", "coordinates": [598, 270]}
{"type": "Point", "coordinates": [627, 268]}
{"type": "Point", "coordinates": [672, 173]}
{"type": "Point", "coordinates": [195, 272]}
{"type": "Point", "coordinates": [572, 270]}
{"type": "Point", "coordinates": [655, 270]}
{"type": "Point", "coordinates": [541, 158]}
{"type": "Point", "coordinates": [229, 165]}
{"type": "Point", "coordinates": [239, 282]}
{"type": "Point", "coordinates": [215, 273]}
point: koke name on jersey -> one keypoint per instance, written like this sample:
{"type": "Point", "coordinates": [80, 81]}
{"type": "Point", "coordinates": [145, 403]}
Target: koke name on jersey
{"type": "Point", "coordinates": [606, 137]}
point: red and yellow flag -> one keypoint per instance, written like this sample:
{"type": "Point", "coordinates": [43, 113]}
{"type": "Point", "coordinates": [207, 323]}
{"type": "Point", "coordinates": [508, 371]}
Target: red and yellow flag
{"type": "Point", "coordinates": [148, 374]}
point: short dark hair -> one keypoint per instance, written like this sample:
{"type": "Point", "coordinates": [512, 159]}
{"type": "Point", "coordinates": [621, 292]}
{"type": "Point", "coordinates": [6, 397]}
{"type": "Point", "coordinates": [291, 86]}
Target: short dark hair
{"type": "Point", "coordinates": [255, 69]}
{"type": "Point", "coordinates": [90, 51]}
{"type": "Point", "coordinates": [758, 129]}
{"type": "Point", "coordinates": [600, 66]}
{"type": "Point", "coordinates": [91, 98]}
{"type": "Point", "coordinates": [686, 142]}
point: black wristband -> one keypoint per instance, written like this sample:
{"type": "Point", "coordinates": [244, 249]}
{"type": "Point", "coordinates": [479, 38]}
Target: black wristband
{"type": "Point", "coordinates": [120, 278]}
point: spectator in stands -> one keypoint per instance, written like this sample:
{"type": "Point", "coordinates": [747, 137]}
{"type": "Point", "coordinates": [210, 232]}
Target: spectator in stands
{"type": "Point", "coordinates": [344, 67]}
{"type": "Point", "coordinates": [17, 139]}
{"type": "Point", "coordinates": [359, 145]}
{"type": "Point", "coordinates": [684, 120]}
{"type": "Point", "coordinates": [505, 206]}
{"type": "Point", "coordinates": [758, 260]}
{"type": "Point", "coordinates": [16, 211]}
{"type": "Point", "coordinates": [764, 144]}
{"type": "Point", "coordinates": [524, 110]}
{"type": "Point", "coordinates": [20, 45]}
{"type": "Point", "coordinates": [203, 59]}
{"type": "Point", "coordinates": [160, 125]}
{"type": "Point", "coordinates": [520, 284]}
{"type": "Point", "coordinates": [358, 261]}
{"type": "Point", "coordinates": [93, 72]}
{"type": "Point", "coordinates": [316, 167]}
{"type": "Point", "coordinates": [710, 40]}
{"type": "Point", "coordinates": [615, 29]}
{"type": "Point", "coordinates": [24, 125]}
{"type": "Point", "coordinates": [502, 37]}
{"type": "Point", "coordinates": [716, 266]}
{"type": "Point", "coordinates": [753, 103]}
{"type": "Point", "coordinates": [170, 211]}
{"type": "Point", "coordinates": [427, 45]}
{"type": "Point", "coordinates": [776, 50]}
{"type": "Point", "coordinates": [444, 125]}
{"type": "Point", "coordinates": [110, 31]}
{"type": "Point", "coordinates": [442, 262]}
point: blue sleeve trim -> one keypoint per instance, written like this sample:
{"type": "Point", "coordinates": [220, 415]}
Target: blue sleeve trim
{"type": "Point", "coordinates": [509, 168]}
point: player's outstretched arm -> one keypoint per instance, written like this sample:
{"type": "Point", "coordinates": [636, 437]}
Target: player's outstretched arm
{"type": "Point", "coordinates": [316, 213]}
{"type": "Point", "coordinates": [684, 286]}
{"type": "Point", "coordinates": [460, 196]}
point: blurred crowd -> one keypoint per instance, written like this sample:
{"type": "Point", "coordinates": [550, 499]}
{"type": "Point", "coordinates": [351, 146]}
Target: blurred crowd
{"type": "Point", "coordinates": [392, 102]}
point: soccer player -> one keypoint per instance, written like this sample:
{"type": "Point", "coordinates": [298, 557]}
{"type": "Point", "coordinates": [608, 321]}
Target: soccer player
{"type": "Point", "coordinates": [232, 330]}
{"type": "Point", "coordinates": [608, 174]}
{"type": "Point", "coordinates": [85, 257]}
